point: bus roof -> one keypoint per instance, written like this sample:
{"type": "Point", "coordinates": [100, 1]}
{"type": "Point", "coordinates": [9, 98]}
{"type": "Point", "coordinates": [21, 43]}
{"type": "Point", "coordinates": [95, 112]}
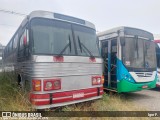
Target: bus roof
{"type": "Point", "coordinates": [52, 15]}
{"type": "Point", "coordinates": [128, 31]}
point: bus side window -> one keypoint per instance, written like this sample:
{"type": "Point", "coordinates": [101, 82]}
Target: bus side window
{"type": "Point", "coordinates": [23, 51]}
{"type": "Point", "coordinates": [105, 50]}
{"type": "Point", "coordinates": [114, 51]}
{"type": "Point", "coordinates": [15, 41]}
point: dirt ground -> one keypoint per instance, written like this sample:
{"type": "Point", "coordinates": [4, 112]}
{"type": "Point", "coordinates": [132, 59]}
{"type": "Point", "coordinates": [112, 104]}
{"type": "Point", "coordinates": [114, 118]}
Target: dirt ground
{"type": "Point", "coordinates": [150, 99]}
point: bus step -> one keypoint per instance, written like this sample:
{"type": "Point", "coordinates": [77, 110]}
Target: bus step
{"type": "Point", "coordinates": [113, 90]}
{"type": "Point", "coordinates": [113, 81]}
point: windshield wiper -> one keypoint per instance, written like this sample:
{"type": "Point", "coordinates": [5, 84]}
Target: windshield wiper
{"type": "Point", "coordinates": [68, 45]}
{"type": "Point", "coordinates": [81, 44]}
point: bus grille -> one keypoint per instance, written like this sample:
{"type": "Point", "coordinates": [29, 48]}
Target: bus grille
{"type": "Point", "coordinates": [144, 74]}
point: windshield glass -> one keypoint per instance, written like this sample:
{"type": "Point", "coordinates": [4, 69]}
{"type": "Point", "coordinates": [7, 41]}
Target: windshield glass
{"type": "Point", "coordinates": [139, 53]}
{"type": "Point", "coordinates": [51, 37]}
{"type": "Point", "coordinates": [86, 41]}
{"type": "Point", "coordinates": [150, 60]}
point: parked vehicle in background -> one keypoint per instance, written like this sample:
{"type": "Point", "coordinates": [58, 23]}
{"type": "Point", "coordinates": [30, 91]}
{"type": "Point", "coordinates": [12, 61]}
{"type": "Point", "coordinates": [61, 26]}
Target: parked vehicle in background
{"type": "Point", "coordinates": [129, 59]}
{"type": "Point", "coordinates": [56, 58]}
{"type": "Point", "coordinates": [158, 61]}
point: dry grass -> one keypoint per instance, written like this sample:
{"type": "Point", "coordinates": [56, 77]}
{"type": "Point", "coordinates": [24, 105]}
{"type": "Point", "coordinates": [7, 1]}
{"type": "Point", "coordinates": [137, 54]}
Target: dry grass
{"type": "Point", "coordinates": [108, 102]}
{"type": "Point", "coordinates": [13, 99]}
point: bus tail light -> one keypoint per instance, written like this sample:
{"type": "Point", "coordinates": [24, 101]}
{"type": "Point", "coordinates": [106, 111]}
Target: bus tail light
{"type": "Point", "coordinates": [52, 84]}
{"type": "Point", "coordinates": [36, 85]}
{"type": "Point", "coordinates": [96, 80]}
{"type": "Point", "coordinates": [102, 80]}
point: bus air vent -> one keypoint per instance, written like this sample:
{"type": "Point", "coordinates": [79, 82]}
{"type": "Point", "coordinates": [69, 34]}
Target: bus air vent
{"type": "Point", "coordinates": [144, 74]}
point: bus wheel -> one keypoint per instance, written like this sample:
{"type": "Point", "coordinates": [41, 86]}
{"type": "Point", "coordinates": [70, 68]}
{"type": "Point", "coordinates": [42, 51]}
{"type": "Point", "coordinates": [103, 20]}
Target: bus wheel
{"type": "Point", "coordinates": [19, 81]}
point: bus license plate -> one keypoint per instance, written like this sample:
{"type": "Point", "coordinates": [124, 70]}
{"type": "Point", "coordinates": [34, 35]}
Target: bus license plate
{"type": "Point", "coordinates": [78, 95]}
{"type": "Point", "coordinates": [145, 86]}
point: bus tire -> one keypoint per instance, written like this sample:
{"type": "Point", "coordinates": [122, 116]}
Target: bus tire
{"type": "Point", "coordinates": [19, 81]}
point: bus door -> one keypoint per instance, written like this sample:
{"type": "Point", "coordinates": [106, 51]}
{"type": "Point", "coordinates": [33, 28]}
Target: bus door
{"type": "Point", "coordinates": [113, 64]}
{"type": "Point", "coordinates": [109, 54]}
{"type": "Point", "coordinates": [105, 63]}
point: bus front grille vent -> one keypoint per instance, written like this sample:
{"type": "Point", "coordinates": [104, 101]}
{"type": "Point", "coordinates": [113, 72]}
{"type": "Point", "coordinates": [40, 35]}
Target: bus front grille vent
{"type": "Point", "coordinates": [144, 74]}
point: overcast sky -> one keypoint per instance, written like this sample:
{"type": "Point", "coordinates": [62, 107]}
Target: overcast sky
{"type": "Point", "coordinates": [105, 14]}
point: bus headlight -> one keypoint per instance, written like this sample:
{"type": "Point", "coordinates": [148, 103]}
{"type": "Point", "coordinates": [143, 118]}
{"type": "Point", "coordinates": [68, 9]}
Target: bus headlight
{"type": "Point", "coordinates": [48, 85]}
{"type": "Point", "coordinates": [129, 78]}
{"type": "Point", "coordinates": [52, 84]}
{"type": "Point", "coordinates": [96, 80]}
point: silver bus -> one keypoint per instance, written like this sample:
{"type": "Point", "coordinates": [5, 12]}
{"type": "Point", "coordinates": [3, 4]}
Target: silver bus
{"type": "Point", "coordinates": [56, 59]}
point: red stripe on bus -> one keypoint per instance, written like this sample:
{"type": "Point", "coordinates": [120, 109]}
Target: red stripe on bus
{"type": "Point", "coordinates": [73, 99]}
{"type": "Point", "coordinates": [101, 93]}
{"type": "Point", "coordinates": [38, 99]}
{"type": "Point", "coordinates": [62, 100]}
{"type": "Point", "coordinates": [39, 96]}
{"type": "Point", "coordinates": [46, 102]}
{"type": "Point", "coordinates": [70, 93]}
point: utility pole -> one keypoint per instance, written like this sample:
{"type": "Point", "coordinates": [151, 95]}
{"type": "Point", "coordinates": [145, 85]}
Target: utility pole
{"type": "Point", "coordinates": [12, 12]}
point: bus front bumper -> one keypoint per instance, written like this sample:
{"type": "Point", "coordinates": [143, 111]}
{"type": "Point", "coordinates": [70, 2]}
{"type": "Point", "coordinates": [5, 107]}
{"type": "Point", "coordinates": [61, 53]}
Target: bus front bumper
{"type": "Point", "coordinates": [126, 86]}
{"type": "Point", "coordinates": [51, 100]}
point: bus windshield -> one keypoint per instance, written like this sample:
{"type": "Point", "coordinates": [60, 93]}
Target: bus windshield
{"type": "Point", "coordinates": [86, 41]}
{"type": "Point", "coordinates": [51, 37]}
{"type": "Point", "coordinates": [139, 54]}
{"type": "Point", "coordinates": [54, 37]}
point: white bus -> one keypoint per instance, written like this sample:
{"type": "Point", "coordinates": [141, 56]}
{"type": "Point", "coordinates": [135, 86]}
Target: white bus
{"type": "Point", "coordinates": [129, 59]}
{"type": "Point", "coordinates": [56, 58]}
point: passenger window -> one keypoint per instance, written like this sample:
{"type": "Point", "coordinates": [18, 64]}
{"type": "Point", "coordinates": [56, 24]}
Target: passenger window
{"type": "Point", "coordinates": [105, 49]}
{"type": "Point", "coordinates": [15, 41]}
{"type": "Point", "coordinates": [24, 39]}
{"type": "Point", "coordinates": [10, 47]}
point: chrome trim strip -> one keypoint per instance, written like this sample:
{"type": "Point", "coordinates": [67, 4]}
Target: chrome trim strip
{"type": "Point", "coordinates": [38, 100]}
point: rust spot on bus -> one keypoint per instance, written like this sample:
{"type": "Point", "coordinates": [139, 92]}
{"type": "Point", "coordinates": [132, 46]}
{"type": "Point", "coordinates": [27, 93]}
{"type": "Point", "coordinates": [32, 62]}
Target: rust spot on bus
{"type": "Point", "coordinates": [58, 59]}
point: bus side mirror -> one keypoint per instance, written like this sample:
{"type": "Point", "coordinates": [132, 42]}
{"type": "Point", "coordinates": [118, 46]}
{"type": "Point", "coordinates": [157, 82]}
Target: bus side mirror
{"type": "Point", "coordinates": [122, 41]}
{"type": "Point", "coordinates": [24, 40]}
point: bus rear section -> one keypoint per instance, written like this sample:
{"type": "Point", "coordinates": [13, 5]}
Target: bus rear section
{"type": "Point", "coordinates": [129, 59]}
{"type": "Point", "coordinates": [60, 62]}
{"type": "Point", "coordinates": [158, 61]}
{"type": "Point", "coordinates": [57, 83]}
